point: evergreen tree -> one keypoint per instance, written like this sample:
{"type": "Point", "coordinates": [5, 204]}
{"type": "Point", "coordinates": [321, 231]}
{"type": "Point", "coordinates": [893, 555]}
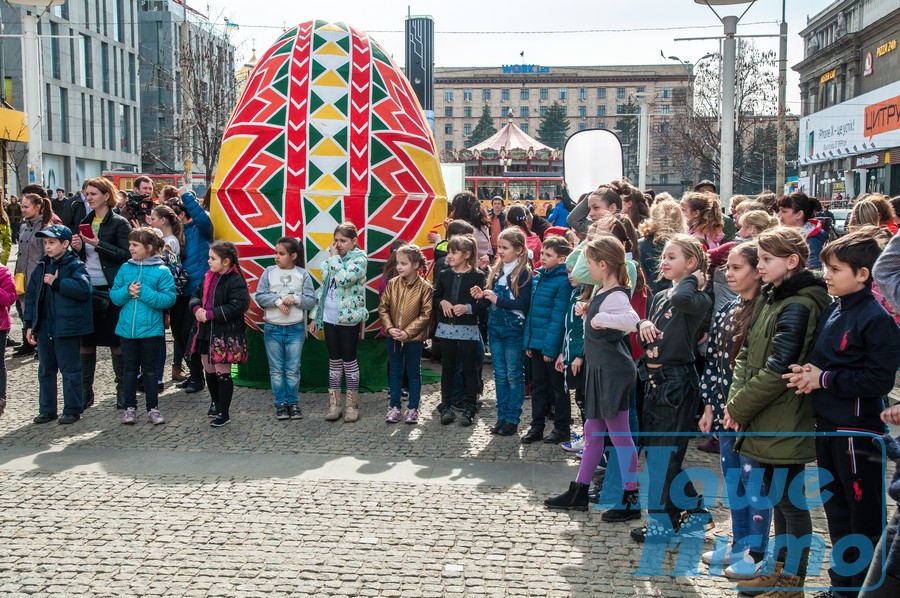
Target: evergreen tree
{"type": "Point", "coordinates": [483, 129]}
{"type": "Point", "coordinates": [554, 127]}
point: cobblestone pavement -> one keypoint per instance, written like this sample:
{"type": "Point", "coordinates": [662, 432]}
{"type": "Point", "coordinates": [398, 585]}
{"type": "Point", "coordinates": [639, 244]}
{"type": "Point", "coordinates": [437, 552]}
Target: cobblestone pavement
{"type": "Point", "coordinates": [268, 508]}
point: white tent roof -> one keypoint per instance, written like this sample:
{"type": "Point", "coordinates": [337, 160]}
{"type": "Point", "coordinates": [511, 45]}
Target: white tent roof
{"type": "Point", "coordinates": [512, 138]}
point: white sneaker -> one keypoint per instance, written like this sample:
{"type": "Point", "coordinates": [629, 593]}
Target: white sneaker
{"type": "Point", "coordinates": [574, 445]}
{"type": "Point", "coordinates": [744, 568]}
{"type": "Point", "coordinates": [717, 558]}
{"type": "Point", "coordinates": [155, 417]}
{"type": "Point", "coordinates": [129, 416]}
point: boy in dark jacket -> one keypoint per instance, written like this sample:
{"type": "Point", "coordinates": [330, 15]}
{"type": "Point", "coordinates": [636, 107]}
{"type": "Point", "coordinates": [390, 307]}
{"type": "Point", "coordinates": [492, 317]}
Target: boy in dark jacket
{"type": "Point", "coordinates": [544, 333]}
{"type": "Point", "coordinates": [850, 370]}
{"type": "Point", "coordinates": [57, 313]}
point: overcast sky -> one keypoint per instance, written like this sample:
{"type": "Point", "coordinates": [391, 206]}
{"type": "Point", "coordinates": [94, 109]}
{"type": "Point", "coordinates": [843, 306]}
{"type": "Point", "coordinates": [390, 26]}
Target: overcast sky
{"type": "Point", "coordinates": [485, 33]}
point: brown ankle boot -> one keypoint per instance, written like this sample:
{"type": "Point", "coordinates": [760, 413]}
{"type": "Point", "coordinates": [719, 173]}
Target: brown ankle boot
{"type": "Point", "coordinates": [351, 411]}
{"type": "Point", "coordinates": [788, 586]}
{"type": "Point", "coordinates": [178, 374]}
{"type": "Point", "coordinates": [334, 405]}
{"type": "Point", "coordinates": [766, 580]}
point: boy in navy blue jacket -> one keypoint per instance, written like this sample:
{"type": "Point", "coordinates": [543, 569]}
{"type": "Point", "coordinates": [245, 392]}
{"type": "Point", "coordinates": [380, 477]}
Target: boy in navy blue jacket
{"type": "Point", "coordinates": [544, 332]}
{"type": "Point", "coordinates": [57, 313]}
{"type": "Point", "coordinates": [850, 370]}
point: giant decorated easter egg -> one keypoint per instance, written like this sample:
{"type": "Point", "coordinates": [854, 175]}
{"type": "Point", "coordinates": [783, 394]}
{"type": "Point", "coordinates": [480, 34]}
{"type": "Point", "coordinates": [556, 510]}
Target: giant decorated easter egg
{"type": "Point", "coordinates": [326, 130]}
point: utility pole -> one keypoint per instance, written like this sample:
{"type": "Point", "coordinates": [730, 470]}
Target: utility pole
{"type": "Point", "coordinates": [782, 99]}
{"type": "Point", "coordinates": [643, 141]}
{"type": "Point", "coordinates": [187, 127]}
{"type": "Point", "coordinates": [31, 79]}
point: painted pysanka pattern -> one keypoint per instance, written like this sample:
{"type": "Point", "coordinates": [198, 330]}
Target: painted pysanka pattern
{"type": "Point", "coordinates": [326, 130]}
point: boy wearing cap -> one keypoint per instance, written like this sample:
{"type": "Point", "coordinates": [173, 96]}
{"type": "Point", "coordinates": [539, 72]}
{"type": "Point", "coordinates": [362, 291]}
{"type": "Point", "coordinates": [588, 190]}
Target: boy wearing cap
{"type": "Point", "coordinates": [57, 314]}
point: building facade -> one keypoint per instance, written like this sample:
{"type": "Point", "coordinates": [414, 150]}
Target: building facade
{"type": "Point", "coordinates": [849, 88]}
{"type": "Point", "coordinates": [593, 97]}
{"type": "Point", "coordinates": [165, 99]}
{"type": "Point", "coordinates": [89, 89]}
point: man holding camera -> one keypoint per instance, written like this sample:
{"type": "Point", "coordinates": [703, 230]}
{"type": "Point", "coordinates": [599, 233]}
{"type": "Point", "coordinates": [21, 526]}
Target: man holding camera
{"type": "Point", "coordinates": [139, 203]}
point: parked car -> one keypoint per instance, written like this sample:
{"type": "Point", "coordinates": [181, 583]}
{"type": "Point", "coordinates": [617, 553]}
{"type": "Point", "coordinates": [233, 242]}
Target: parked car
{"type": "Point", "coordinates": [840, 220]}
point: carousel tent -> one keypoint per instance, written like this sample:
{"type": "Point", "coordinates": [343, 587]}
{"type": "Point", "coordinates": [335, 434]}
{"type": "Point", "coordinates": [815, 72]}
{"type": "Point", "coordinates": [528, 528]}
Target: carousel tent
{"type": "Point", "coordinates": [512, 138]}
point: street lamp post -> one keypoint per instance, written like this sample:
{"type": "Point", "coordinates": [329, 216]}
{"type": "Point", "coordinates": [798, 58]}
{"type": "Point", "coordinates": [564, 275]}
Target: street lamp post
{"type": "Point", "coordinates": [763, 176]}
{"type": "Point", "coordinates": [729, 47]}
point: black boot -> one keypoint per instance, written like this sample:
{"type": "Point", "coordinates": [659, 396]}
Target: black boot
{"type": "Point", "coordinates": [631, 510]}
{"type": "Point", "coordinates": [226, 390]}
{"type": "Point", "coordinates": [534, 434]}
{"type": "Point", "coordinates": [118, 366]}
{"type": "Point", "coordinates": [212, 384]}
{"type": "Point", "coordinates": [194, 382]}
{"type": "Point", "coordinates": [25, 348]}
{"type": "Point", "coordinates": [88, 367]}
{"type": "Point", "coordinates": [575, 498]}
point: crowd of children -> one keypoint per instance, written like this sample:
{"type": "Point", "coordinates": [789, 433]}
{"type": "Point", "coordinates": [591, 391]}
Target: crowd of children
{"type": "Point", "coordinates": [739, 336]}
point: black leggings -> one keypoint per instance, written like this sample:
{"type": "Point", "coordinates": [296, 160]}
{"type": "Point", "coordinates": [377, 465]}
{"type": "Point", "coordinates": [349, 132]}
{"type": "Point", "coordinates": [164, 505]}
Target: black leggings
{"type": "Point", "coordinates": [790, 519]}
{"type": "Point", "coordinates": [342, 341]}
{"type": "Point", "coordinates": [465, 351]}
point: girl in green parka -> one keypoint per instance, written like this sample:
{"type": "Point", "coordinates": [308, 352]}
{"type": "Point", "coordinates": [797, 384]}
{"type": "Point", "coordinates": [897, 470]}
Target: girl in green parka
{"type": "Point", "coordinates": [340, 311]}
{"type": "Point", "coordinates": [780, 333]}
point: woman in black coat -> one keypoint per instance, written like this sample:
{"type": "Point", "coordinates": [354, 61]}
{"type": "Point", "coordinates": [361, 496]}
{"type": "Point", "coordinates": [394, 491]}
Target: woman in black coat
{"type": "Point", "coordinates": [103, 251]}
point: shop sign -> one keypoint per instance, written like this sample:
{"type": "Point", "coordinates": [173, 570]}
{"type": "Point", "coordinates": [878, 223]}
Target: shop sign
{"type": "Point", "coordinates": [825, 78]}
{"type": "Point", "coordinates": [525, 69]}
{"type": "Point", "coordinates": [885, 48]}
{"type": "Point", "coordinates": [869, 160]}
{"type": "Point", "coordinates": [882, 117]}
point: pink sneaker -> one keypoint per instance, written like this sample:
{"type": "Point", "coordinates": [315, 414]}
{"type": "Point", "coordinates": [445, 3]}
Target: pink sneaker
{"type": "Point", "coordinates": [411, 416]}
{"type": "Point", "coordinates": [155, 417]}
{"type": "Point", "coordinates": [129, 416]}
{"type": "Point", "coordinates": [393, 415]}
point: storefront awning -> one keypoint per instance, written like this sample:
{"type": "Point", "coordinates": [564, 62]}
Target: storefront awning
{"type": "Point", "coordinates": [13, 125]}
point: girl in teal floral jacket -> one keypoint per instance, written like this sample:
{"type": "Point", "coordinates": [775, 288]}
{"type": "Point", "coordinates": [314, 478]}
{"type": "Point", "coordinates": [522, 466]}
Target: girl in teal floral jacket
{"type": "Point", "coordinates": [340, 311]}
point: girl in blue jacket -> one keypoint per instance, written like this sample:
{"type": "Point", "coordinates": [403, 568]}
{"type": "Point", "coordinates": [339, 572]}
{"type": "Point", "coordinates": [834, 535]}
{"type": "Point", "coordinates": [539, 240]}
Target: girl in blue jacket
{"type": "Point", "coordinates": [143, 288]}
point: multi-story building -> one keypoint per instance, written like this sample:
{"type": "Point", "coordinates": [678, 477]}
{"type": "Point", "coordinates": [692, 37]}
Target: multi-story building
{"type": "Point", "coordinates": [166, 103]}
{"type": "Point", "coordinates": [849, 87]}
{"type": "Point", "coordinates": [593, 96]}
{"type": "Point", "coordinates": [89, 89]}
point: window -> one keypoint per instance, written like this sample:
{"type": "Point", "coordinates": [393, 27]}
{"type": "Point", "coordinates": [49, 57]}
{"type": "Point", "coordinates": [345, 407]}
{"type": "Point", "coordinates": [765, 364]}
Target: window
{"type": "Point", "coordinates": [524, 127]}
{"type": "Point", "coordinates": [664, 128]}
{"type": "Point", "coordinates": [448, 111]}
{"type": "Point", "coordinates": [545, 93]}
{"type": "Point", "coordinates": [448, 145]}
{"type": "Point", "coordinates": [54, 51]}
{"type": "Point", "coordinates": [620, 108]}
{"type": "Point", "coordinates": [664, 109]}
{"type": "Point", "coordinates": [84, 121]}
{"type": "Point", "coordinates": [601, 93]}
{"type": "Point", "coordinates": [467, 95]}
{"type": "Point", "coordinates": [640, 89]}
{"type": "Point", "coordinates": [467, 111]}
{"type": "Point", "coordinates": [111, 122]}
{"type": "Point", "coordinates": [504, 95]}
{"type": "Point", "coordinates": [91, 123]}
{"type": "Point", "coordinates": [64, 115]}
{"type": "Point", "coordinates": [125, 125]}
{"type": "Point", "coordinates": [582, 94]}
{"type": "Point", "coordinates": [542, 110]}
{"type": "Point", "coordinates": [467, 129]}
{"type": "Point", "coordinates": [601, 110]}
{"type": "Point", "coordinates": [620, 93]}
{"type": "Point", "coordinates": [48, 120]}
{"type": "Point", "coordinates": [523, 94]}
{"type": "Point", "coordinates": [664, 162]}
{"type": "Point", "coordinates": [664, 179]}
{"type": "Point", "coordinates": [485, 94]}
{"type": "Point", "coordinates": [666, 93]}
{"type": "Point", "coordinates": [563, 94]}
{"type": "Point", "coordinates": [119, 7]}
{"type": "Point", "coordinates": [104, 65]}
{"type": "Point", "coordinates": [87, 60]}
{"type": "Point", "coordinates": [582, 111]}
{"type": "Point", "coordinates": [582, 126]}
{"type": "Point", "coordinates": [523, 111]}
{"type": "Point", "coordinates": [132, 78]}
{"type": "Point", "coordinates": [448, 95]}
{"type": "Point", "coordinates": [448, 129]}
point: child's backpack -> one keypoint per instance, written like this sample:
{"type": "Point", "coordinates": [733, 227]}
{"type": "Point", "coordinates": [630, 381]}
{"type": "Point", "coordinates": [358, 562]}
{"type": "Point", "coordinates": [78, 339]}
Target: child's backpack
{"type": "Point", "coordinates": [171, 259]}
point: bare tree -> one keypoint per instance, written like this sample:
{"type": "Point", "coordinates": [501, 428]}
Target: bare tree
{"type": "Point", "coordinates": [207, 99]}
{"type": "Point", "coordinates": [694, 131]}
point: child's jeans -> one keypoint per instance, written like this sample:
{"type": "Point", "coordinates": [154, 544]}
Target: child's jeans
{"type": "Point", "coordinates": [408, 357]}
{"type": "Point", "coordinates": [670, 404]}
{"type": "Point", "coordinates": [507, 354]}
{"type": "Point", "coordinates": [284, 348]}
{"type": "Point", "coordinates": [140, 354]}
{"type": "Point", "coordinates": [750, 523]}
{"type": "Point", "coordinates": [59, 355]}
